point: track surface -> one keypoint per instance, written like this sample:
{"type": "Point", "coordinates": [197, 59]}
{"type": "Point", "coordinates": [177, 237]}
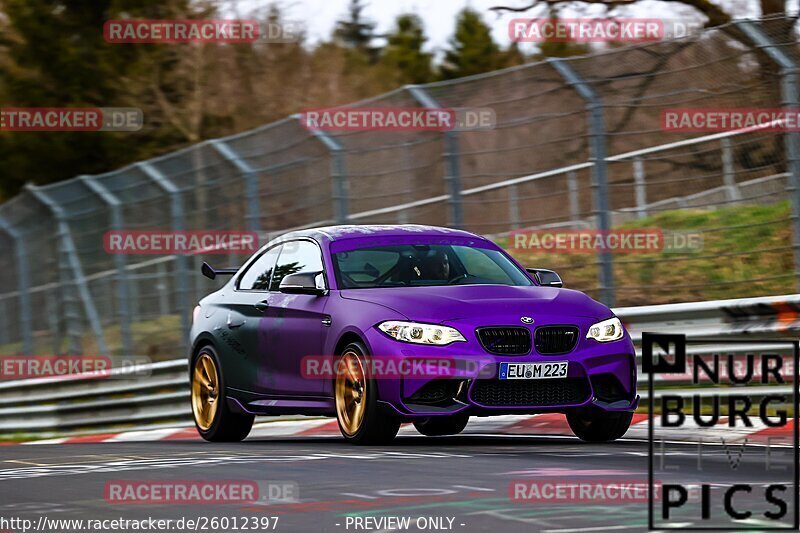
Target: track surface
{"type": "Point", "coordinates": [464, 478]}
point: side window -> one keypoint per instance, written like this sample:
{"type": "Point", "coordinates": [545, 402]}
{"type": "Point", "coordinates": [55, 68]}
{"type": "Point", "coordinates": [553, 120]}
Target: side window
{"type": "Point", "coordinates": [258, 276]}
{"type": "Point", "coordinates": [296, 257]}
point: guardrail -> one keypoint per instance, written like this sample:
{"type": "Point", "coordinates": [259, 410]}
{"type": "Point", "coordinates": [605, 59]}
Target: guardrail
{"type": "Point", "coordinates": [81, 405]}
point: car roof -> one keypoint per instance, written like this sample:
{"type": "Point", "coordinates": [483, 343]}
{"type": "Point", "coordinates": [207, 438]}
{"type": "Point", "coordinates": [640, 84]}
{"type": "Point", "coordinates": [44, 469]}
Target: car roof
{"type": "Point", "coordinates": [344, 232]}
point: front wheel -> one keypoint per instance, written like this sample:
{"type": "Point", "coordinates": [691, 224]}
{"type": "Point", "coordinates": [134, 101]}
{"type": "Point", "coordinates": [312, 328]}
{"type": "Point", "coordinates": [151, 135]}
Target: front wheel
{"type": "Point", "coordinates": [437, 426]}
{"type": "Point", "coordinates": [214, 420]}
{"type": "Point", "coordinates": [599, 426]}
{"type": "Point", "coordinates": [357, 411]}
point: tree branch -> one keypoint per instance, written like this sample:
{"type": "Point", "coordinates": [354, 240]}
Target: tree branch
{"type": "Point", "coordinates": [715, 14]}
{"type": "Point", "coordinates": [537, 3]}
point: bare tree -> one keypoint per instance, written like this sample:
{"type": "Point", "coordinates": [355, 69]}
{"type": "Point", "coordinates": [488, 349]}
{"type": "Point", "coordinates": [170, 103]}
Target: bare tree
{"type": "Point", "coordinates": [715, 15]}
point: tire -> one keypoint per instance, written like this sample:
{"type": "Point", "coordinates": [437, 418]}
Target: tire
{"type": "Point", "coordinates": [214, 420]}
{"type": "Point", "coordinates": [361, 421]}
{"type": "Point", "coordinates": [437, 426]}
{"type": "Point", "coordinates": [599, 426]}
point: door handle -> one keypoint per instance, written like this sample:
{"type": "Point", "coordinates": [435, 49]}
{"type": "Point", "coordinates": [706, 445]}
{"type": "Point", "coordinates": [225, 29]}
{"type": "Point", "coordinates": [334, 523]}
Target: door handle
{"type": "Point", "coordinates": [262, 306]}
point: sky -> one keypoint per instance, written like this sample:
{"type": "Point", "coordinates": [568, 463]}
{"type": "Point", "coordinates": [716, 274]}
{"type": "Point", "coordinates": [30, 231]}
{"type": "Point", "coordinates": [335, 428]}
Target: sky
{"type": "Point", "coordinates": [439, 16]}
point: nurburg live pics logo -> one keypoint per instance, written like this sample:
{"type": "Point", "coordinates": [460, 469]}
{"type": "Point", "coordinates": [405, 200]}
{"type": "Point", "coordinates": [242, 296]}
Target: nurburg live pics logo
{"type": "Point", "coordinates": [712, 492]}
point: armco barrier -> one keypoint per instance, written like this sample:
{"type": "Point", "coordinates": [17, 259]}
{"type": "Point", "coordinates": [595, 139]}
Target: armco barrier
{"type": "Point", "coordinates": [773, 316]}
{"type": "Point", "coordinates": [75, 405]}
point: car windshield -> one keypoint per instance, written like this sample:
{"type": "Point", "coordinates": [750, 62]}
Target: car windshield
{"type": "Point", "coordinates": [425, 266]}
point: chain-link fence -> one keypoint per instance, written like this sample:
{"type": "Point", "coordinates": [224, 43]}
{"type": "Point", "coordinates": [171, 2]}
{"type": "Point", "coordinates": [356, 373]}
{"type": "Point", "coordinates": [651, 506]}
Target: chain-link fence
{"type": "Point", "coordinates": [578, 143]}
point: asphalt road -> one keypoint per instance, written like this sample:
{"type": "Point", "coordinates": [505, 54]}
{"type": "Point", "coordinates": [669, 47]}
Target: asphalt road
{"type": "Point", "coordinates": [452, 484]}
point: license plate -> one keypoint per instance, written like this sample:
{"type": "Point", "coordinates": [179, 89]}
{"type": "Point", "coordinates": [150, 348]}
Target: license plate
{"type": "Point", "coordinates": [549, 370]}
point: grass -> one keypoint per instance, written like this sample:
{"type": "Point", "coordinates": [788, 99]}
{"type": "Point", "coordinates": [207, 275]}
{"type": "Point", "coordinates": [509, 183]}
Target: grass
{"type": "Point", "coordinates": [746, 251]}
{"type": "Point", "coordinates": [158, 339]}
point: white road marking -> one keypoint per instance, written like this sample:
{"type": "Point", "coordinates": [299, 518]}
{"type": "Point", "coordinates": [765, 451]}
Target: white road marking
{"type": "Point", "coordinates": [284, 429]}
{"type": "Point", "coordinates": [676, 525]}
{"type": "Point", "coordinates": [46, 441]}
{"type": "Point", "coordinates": [197, 459]}
{"type": "Point", "coordinates": [144, 436]}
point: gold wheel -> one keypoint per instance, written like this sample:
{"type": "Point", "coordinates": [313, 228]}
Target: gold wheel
{"type": "Point", "coordinates": [205, 391]}
{"type": "Point", "coordinates": [351, 393]}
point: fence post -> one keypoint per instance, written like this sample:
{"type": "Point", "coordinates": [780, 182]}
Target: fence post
{"type": "Point", "coordinates": [181, 272]}
{"type": "Point", "coordinates": [790, 93]}
{"type": "Point", "coordinates": [53, 305]}
{"type": "Point", "coordinates": [594, 106]}
{"type": "Point", "coordinates": [250, 182]}
{"type": "Point", "coordinates": [641, 188]}
{"type": "Point", "coordinates": [408, 163]}
{"type": "Point", "coordinates": [728, 174]}
{"type": "Point", "coordinates": [162, 286]}
{"type": "Point", "coordinates": [5, 330]}
{"type": "Point", "coordinates": [513, 206]}
{"type": "Point", "coordinates": [451, 155]}
{"type": "Point", "coordinates": [340, 189]}
{"type": "Point", "coordinates": [123, 290]}
{"type": "Point", "coordinates": [23, 285]}
{"type": "Point", "coordinates": [574, 199]}
{"type": "Point", "coordinates": [252, 201]}
{"type": "Point", "coordinates": [71, 262]}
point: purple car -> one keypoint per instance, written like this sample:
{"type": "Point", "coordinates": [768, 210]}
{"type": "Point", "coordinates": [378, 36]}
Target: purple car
{"type": "Point", "coordinates": [380, 325]}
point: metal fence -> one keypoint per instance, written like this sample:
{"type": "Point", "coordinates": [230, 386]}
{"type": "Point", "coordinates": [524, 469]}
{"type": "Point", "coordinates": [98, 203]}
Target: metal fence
{"type": "Point", "coordinates": [578, 143]}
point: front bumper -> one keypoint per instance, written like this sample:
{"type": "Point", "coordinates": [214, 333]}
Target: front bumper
{"type": "Point", "coordinates": [600, 376]}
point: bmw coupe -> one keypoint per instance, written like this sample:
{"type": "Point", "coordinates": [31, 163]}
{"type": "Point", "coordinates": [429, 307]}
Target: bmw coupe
{"type": "Point", "coordinates": [383, 325]}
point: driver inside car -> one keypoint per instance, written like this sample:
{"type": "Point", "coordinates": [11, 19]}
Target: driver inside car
{"type": "Point", "coordinates": [437, 266]}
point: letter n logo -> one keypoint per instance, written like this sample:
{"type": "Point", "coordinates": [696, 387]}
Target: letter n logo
{"type": "Point", "coordinates": [663, 354]}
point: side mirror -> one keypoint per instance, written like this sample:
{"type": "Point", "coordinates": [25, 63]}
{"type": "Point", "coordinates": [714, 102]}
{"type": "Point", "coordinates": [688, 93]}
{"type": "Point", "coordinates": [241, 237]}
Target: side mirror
{"type": "Point", "coordinates": [546, 278]}
{"type": "Point", "coordinates": [303, 283]}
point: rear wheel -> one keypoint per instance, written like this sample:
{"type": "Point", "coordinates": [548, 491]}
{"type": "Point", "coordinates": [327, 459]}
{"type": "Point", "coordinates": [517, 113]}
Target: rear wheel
{"type": "Point", "coordinates": [360, 418]}
{"type": "Point", "coordinates": [599, 426]}
{"type": "Point", "coordinates": [214, 420]}
{"type": "Point", "coordinates": [442, 425]}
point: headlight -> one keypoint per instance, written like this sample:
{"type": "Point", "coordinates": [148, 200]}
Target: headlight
{"type": "Point", "coordinates": [421, 333]}
{"type": "Point", "coordinates": [606, 331]}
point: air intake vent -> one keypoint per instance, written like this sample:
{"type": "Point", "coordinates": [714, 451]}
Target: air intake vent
{"type": "Point", "coordinates": [555, 340]}
{"type": "Point", "coordinates": [438, 390]}
{"type": "Point", "coordinates": [607, 388]}
{"type": "Point", "coordinates": [505, 340]}
{"type": "Point", "coordinates": [534, 393]}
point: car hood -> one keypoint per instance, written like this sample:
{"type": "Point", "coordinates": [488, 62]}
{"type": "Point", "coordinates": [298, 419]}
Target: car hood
{"type": "Point", "coordinates": [486, 303]}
